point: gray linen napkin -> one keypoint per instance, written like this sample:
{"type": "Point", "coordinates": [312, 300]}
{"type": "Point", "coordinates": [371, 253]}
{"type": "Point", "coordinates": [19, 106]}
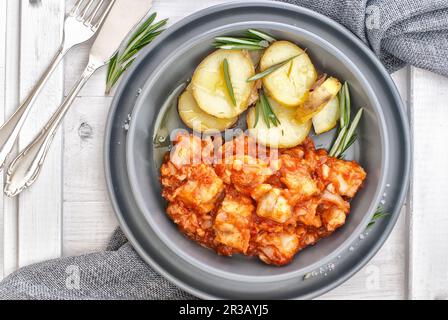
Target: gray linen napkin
{"type": "Point", "coordinates": [400, 32]}
{"type": "Point", "coordinates": [117, 273]}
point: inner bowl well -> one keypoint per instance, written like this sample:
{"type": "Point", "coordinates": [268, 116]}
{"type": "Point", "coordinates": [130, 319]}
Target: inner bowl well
{"type": "Point", "coordinates": [143, 155]}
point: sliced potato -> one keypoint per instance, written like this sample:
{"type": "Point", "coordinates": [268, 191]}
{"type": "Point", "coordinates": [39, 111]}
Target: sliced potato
{"type": "Point", "coordinates": [318, 98]}
{"type": "Point", "coordinates": [198, 120]}
{"type": "Point", "coordinates": [209, 85]}
{"type": "Point", "coordinates": [288, 85]}
{"type": "Point", "coordinates": [289, 133]}
{"type": "Point", "coordinates": [327, 118]}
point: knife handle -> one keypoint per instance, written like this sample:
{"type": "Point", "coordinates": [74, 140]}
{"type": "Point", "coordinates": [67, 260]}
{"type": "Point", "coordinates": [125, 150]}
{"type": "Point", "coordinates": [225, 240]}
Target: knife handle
{"type": "Point", "coordinates": [25, 168]}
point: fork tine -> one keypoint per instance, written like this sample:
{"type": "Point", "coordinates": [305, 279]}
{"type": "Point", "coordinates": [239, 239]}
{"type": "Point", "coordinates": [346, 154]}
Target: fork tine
{"type": "Point", "coordinates": [103, 15]}
{"type": "Point", "coordinates": [86, 10]}
{"type": "Point", "coordinates": [92, 15]}
{"type": "Point", "coordinates": [76, 7]}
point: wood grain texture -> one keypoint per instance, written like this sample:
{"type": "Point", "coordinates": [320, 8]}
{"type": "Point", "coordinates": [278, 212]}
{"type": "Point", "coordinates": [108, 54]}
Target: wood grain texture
{"type": "Point", "coordinates": [2, 49]}
{"type": "Point", "coordinates": [428, 237]}
{"type": "Point", "coordinates": [88, 219]}
{"type": "Point", "coordinates": [40, 206]}
{"type": "Point", "coordinates": [10, 89]}
{"type": "Point", "coordinates": [83, 150]}
{"type": "Point", "coordinates": [88, 227]}
{"type": "Point", "coordinates": [2, 116]}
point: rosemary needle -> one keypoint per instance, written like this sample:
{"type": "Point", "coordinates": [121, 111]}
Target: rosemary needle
{"type": "Point", "coordinates": [261, 35]}
{"type": "Point", "coordinates": [346, 136]}
{"type": "Point", "coordinates": [254, 40]}
{"type": "Point", "coordinates": [121, 61]}
{"type": "Point", "coordinates": [376, 216]}
{"type": "Point", "coordinates": [257, 112]}
{"type": "Point", "coordinates": [271, 69]}
{"type": "Point", "coordinates": [225, 66]}
{"type": "Point", "coordinates": [264, 107]}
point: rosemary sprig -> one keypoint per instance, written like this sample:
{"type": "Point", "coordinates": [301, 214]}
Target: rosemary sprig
{"type": "Point", "coordinates": [225, 67]}
{"type": "Point", "coordinates": [144, 35]}
{"type": "Point", "coordinates": [257, 34]}
{"type": "Point", "coordinates": [377, 215]}
{"type": "Point", "coordinates": [264, 107]}
{"type": "Point", "coordinates": [346, 136]}
{"type": "Point", "coordinates": [338, 142]}
{"type": "Point", "coordinates": [271, 114]}
{"type": "Point", "coordinates": [271, 69]}
{"type": "Point", "coordinates": [246, 41]}
{"type": "Point", "coordinates": [254, 40]}
{"type": "Point", "coordinates": [347, 104]}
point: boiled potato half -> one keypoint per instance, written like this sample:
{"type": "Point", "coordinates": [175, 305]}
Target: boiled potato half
{"type": "Point", "coordinates": [288, 85]}
{"type": "Point", "coordinates": [198, 120]}
{"type": "Point", "coordinates": [327, 118]}
{"type": "Point", "coordinates": [209, 85]}
{"type": "Point", "coordinates": [318, 98]}
{"type": "Point", "coordinates": [289, 133]}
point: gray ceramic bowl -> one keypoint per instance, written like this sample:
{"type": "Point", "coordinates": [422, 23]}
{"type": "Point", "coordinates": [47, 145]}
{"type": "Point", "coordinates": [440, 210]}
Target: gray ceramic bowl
{"type": "Point", "coordinates": [132, 159]}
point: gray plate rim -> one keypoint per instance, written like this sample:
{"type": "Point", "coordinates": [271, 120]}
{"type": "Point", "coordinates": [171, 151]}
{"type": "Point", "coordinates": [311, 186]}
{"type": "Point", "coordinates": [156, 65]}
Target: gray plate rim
{"type": "Point", "coordinates": [340, 28]}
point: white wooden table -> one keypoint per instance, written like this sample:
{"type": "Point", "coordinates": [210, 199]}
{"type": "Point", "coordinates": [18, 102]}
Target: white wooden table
{"type": "Point", "coordinates": [67, 211]}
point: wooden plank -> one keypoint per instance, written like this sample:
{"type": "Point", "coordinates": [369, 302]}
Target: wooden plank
{"type": "Point", "coordinates": [40, 206]}
{"type": "Point", "coordinates": [88, 219]}
{"type": "Point", "coordinates": [2, 113]}
{"type": "Point", "coordinates": [88, 227]}
{"type": "Point", "coordinates": [83, 150]}
{"type": "Point", "coordinates": [428, 236]}
{"type": "Point", "coordinates": [2, 45]}
{"type": "Point", "coordinates": [177, 10]}
{"type": "Point", "coordinates": [11, 36]}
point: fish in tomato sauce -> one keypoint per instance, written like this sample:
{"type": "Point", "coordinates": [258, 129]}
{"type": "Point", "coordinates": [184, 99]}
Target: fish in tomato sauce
{"type": "Point", "coordinates": [236, 200]}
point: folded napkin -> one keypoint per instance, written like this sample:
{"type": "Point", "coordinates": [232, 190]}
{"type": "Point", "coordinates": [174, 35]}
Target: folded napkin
{"type": "Point", "coordinates": [116, 273]}
{"type": "Point", "coordinates": [400, 32]}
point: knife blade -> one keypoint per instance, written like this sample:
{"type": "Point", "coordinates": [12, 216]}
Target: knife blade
{"type": "Point", "coordinates": [122, 18]}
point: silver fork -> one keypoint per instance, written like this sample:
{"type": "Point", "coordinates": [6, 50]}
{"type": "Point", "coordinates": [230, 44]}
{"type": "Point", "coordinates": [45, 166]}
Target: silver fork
{"type": "Point", "coordinates": [80, 25]}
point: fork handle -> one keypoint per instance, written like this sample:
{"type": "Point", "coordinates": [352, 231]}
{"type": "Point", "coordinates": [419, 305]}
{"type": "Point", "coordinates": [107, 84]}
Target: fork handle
{"type": "Point", "coordinates": [10, 130]}
{"type": "Point", "coordinates": [25, 168]}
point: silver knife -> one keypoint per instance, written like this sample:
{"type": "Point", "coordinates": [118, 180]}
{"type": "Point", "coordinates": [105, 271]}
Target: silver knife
{"type": "Point", "coordinates": [123, 17]}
